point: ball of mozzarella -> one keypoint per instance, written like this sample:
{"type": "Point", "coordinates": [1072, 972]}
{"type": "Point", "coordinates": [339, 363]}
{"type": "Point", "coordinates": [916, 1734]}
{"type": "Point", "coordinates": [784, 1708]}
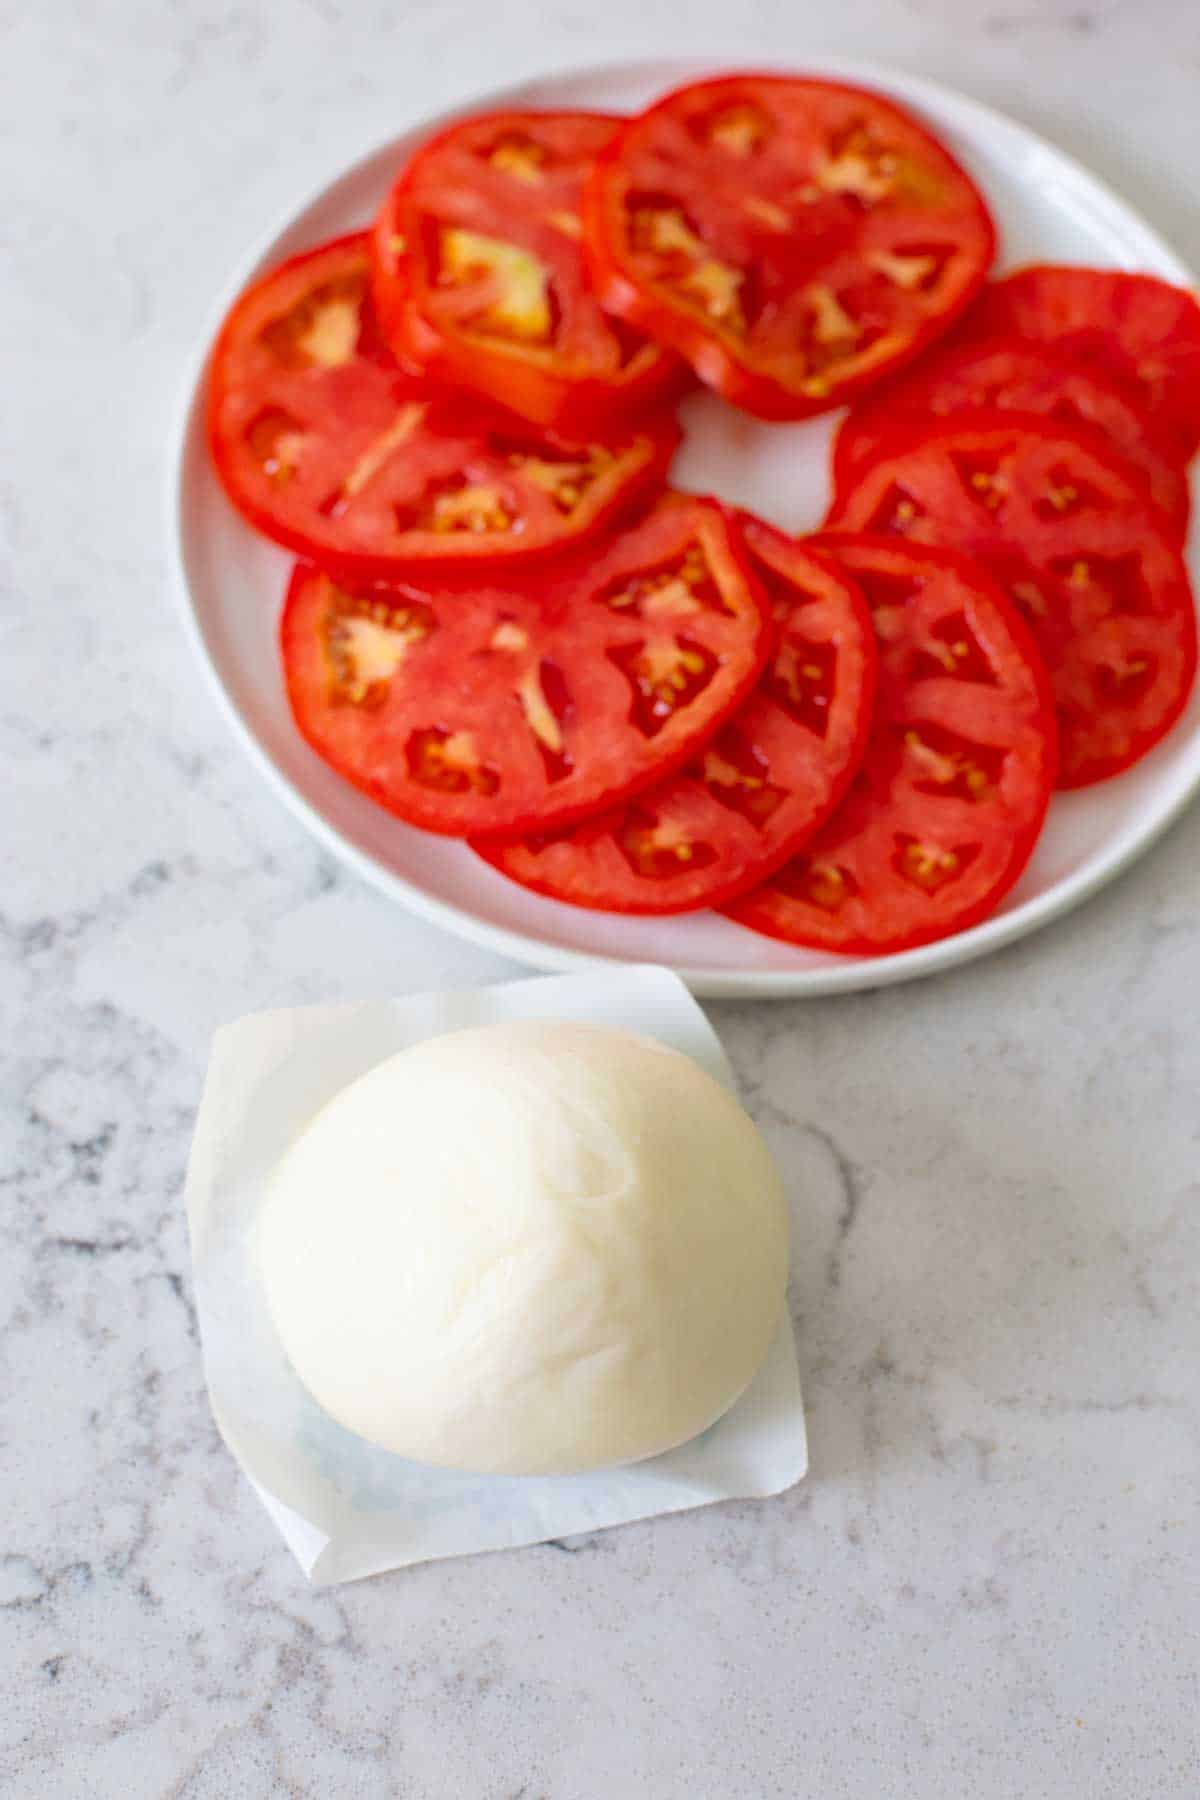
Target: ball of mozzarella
{"type": "Point", "coordinates": [528, 1248]}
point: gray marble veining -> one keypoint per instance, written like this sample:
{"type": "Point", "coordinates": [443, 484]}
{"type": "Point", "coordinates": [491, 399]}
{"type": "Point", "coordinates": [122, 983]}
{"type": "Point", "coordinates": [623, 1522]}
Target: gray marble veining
{"type": "Point", "coordinates": [989, 1584]}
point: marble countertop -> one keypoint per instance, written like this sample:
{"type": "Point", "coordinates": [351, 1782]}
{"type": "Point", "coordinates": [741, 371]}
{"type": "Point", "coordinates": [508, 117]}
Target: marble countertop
{"type": "Point", "coordinates": [989, 1584]}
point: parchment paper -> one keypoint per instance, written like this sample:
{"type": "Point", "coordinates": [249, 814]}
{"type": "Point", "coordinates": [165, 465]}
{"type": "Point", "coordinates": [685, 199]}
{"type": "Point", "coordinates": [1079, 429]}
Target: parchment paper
{"type": "Point", "coordinates": [345, 1508]}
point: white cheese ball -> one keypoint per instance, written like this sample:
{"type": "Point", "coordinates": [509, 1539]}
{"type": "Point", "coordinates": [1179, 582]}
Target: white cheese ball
{"type": "Point", "coordinates": [527, 1249]}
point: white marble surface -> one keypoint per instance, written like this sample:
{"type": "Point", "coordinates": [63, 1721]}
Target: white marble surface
{"type": "Point", "coordinates": [989, 1584]}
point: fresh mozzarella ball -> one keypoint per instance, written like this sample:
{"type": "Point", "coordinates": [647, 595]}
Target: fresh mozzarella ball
{"type": "Point", "coordinates": [529, 1248]}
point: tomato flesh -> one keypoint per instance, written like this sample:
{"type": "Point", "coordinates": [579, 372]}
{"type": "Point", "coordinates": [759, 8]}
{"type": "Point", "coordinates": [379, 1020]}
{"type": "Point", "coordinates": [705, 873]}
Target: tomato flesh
{"type": "Point", "coordinates": [492, 707]}
{"type": "Point", "coordinates": [794, 239]}
{"type": "Point", "coordinates": [768, 779]}
{"type": "Point", "coordinates": [1069, 533]}
{"type": "Point", "coordinates": [946, 809]}
{"type": "Point", "coordinates": [480, 277]}
{"type": "Point", "coordinates": [1013, 375]}
{"type": "Point", "coordinates": [1139, 330]}
{"type": "Point", "coordinates": [325, 445]}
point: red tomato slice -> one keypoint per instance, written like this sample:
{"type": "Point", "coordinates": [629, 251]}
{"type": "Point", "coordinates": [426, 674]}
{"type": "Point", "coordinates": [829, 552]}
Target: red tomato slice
{"type": "Point", "coordinates": [1013, 375]}
{"type": "Point", "coordinates": [763, 784]}
{"type": "Point", "coordinates": [794, 239]}
{"type": "Point", "coordinates": [1068, 531]}
{"type": "Point", "coordinates": [480, 279]}
{"type": "Point", "coordinates": [1137, 329]}
{"type": "Point", "coordinates": [327, 447]}
{"type": "Point", "coordinates": [489, 707]}
{"type": "Point", "coordinates": [948, 804]}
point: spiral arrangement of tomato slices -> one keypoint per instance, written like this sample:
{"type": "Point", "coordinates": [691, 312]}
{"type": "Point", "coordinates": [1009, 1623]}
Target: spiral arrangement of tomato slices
{"type": "Point", "coordinates": [506, 628]}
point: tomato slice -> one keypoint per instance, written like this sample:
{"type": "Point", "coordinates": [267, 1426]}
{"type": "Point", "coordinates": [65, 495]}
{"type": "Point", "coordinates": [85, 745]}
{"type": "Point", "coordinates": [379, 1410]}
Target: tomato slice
{"type": "Point", "coordinates": [480, 278]}
{"type": "Point", "coordinates": [1068, 531]}
{"type": "Point", "coordinates": [490, 707]}
{"type": "Point", "coordinates": [947, 807]}
{"type": "Point", "coordinates": [794, 239]}
{"type": "Point", "coordinates": [1014, 375]}
{"type": "Point", "coordinates": [772, 774]}
{"type": "Point", "coordinates": [327, 447]}
{"type": "Point", "coordinates": [1138, 329]}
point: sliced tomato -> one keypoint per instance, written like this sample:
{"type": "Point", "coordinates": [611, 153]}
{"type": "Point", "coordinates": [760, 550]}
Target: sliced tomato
{"type": "Point", "coordinates": [327, 447]}
{"type": "Point", "coordinates": [794, 239]}
{"type": "Point", "coordinates": [491, 707]}
{"type": "Point", "coordinates": [948, 804]}
{"type": "Point", "coordinates": [769, 778]}
{"type": "Point", "coordinates": [480, 278]}
{"type": "Point", "coordinates": [1136, 328]}
{"type": "Point", "coordinates": [1014, 375]}
{"type": "Point", "coordinates": [1067, 529]}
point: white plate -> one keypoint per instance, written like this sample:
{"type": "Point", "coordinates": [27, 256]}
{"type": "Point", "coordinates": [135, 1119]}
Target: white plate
{"type": "Point", "coordinates": [1048, 208]}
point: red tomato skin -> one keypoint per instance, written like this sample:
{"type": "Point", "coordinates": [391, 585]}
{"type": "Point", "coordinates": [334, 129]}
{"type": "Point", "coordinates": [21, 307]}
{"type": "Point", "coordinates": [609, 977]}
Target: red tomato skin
{"type": "Point", "coordinates": [847, 511]}
{"type": "Point", "coordinates": [676, 895]}
{"type": "Point", "coordinates": [758, 910]}
{"type": "Point", "coordinates": [559, 402]}
{"type": "Point", "coordinates": [716, 366]}
{"type": "Point", "coordinates": [306, 678]}
{"type": "Point", "coordinates": [653, 445]}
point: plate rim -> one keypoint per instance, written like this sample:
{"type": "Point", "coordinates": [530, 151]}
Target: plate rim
{"type": "Point", "coordinates": [838, 976]}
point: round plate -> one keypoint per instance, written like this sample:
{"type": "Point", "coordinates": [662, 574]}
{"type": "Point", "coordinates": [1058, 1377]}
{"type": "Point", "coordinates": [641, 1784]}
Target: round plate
{"type": "Point", "coordinates": [1048, 209]}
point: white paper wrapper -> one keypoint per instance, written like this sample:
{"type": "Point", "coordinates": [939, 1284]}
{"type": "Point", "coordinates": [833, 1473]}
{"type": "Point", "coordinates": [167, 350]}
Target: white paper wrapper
{"type": "Point", "coordinates": [345, 1508]}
